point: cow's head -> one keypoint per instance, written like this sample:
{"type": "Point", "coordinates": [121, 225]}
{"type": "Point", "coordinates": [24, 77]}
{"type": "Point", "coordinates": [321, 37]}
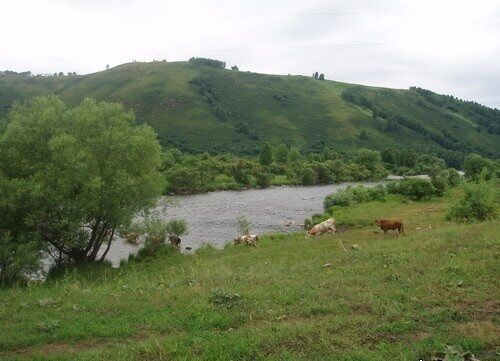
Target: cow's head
{"type": "Point", "coordinates": [377, 222]}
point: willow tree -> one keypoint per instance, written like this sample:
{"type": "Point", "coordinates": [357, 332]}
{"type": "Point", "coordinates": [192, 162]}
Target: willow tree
{"type": "Point", "coordinates": [84, 172]}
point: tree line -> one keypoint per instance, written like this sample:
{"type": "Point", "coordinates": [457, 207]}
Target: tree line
{"type": "Point", "coordinates": [390, 122]}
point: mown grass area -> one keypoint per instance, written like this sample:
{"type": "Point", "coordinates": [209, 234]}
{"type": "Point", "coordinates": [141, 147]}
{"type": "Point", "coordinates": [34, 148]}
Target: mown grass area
{"type": "Point", "coordinates": [394, 298]}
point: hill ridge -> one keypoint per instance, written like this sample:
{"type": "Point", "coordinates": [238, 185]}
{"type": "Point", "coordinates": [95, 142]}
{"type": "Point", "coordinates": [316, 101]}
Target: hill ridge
{"type": "Point", "coordinates": [200, 108]}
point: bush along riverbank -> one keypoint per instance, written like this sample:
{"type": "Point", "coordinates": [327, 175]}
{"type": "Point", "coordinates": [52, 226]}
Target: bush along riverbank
{"type": "Point", "coordinates": [280, 165]}
{"type": "Point", "coordinates": [409, 189]}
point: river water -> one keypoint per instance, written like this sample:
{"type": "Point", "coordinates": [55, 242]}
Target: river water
{"type": "Point", "coordinates": [212, 217]}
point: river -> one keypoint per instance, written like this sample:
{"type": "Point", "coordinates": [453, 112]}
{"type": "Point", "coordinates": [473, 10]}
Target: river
{"type": "Point", "coordinates": [212, 217]}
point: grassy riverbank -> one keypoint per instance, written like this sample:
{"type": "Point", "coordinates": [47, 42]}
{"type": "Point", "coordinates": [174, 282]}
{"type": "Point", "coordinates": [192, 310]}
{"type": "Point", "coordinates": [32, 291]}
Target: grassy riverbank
{"type": "Point", "coordinates": [392, 299]}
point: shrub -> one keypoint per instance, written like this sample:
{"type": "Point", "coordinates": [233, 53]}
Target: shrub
{"type": "Point", "coordinates": [157, 232]}
{"type": "Point", "coordinates": [225, 299]}
{"type": "Point", "coordinates": [454, 178]}
{"type": "Point", "coordinates": [177, 227]}
{"type": "Point", "coordinates": [323, 175]}
{"type": "Point", "coordinates": [308, 223]}
{"type": "Point", "coordinates": [240, 173]}
{"type": "Point", "coordinates": [440, 182]}
{"type": "Point", "coordinates": [263, 179]}
{"type": "Point", "coordinates": [476, 205]}
{"type": "Point", "coordinates": [307, 175]}
{"type": "Point", "coordinates": [184, 179]}
{"type": "Point", "coordinates": [378, 192]}
{"type": "Point", "coordinates": [341, 198]}
{"type": "Point", "coordinates": [413, 188]}
{"type": "Point", "coordinates": [361, 194]}
{"type": "Point", "coordinates": [244, 225]}
{"type": "Point", "coordinates": [478, 168]}
{"type": "Point", "coordinates": [354, 195]}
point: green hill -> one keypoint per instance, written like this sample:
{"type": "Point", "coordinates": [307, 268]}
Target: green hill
{"type": "Point", "coordinates": [204, 108]}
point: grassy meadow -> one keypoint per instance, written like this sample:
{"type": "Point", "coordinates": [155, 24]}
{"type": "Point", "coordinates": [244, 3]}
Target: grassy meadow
{"type": "Point", "coordinates": [388, 298]}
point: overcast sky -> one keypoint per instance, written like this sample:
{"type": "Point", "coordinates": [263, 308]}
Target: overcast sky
{"type": "Point", "coordinates": [449, 46]}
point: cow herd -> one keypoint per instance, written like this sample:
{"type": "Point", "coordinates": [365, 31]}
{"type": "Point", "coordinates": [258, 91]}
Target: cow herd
{"type": "Point", "coordinates": [327, 226]}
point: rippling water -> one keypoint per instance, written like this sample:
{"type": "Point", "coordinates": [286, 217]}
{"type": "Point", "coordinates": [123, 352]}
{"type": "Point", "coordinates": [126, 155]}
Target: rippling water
{"type": "Point", "coordinates": [212, 216]}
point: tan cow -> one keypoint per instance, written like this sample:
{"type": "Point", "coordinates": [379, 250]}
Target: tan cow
{"type": "Point", "coordinates": [323, 227]}
{"type": "Point", "coordinates": [248, 239]}
{"type": "Point", "coordinates": [387, 224]}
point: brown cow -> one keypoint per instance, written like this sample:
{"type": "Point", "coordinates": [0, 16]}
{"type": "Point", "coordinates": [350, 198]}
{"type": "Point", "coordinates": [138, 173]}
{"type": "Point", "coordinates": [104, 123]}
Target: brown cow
{"type": "Point", "coordinates": [387, 224]}
{"type": "Point", "coordinates": [175, 241]}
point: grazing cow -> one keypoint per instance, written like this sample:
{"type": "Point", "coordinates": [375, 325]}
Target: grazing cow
{"type": "Point", "coordinates": [248, 239]}
{"type": "Point", "coordinates": [323, 227]}
{"type": "Point", "coordinates": [132, 237]}
{"type": "Point", "coordinates": [386, 224]}
{"type": "Point", "coordinates": [175, 241]}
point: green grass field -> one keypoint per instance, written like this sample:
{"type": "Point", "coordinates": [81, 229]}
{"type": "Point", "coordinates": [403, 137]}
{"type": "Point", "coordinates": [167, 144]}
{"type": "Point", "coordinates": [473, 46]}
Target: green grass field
{"type": "Point", "coordinates": [394, 298]}
{"type": "Point", "coordinates": [304, 112]}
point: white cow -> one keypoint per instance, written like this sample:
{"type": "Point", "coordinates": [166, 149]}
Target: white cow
{"type": "Point", "coordinates": [323, 227]}
{"type": "Point", "coordinates": [249, 239]}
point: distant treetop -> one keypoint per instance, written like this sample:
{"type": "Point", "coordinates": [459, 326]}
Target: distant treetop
{"type": "Point", "coordinates": [208, 62]}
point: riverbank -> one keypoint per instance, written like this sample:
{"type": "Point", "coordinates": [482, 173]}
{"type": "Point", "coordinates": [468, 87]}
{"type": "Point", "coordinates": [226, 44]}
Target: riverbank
{"type": "Point", "coordinates": [291, 298]}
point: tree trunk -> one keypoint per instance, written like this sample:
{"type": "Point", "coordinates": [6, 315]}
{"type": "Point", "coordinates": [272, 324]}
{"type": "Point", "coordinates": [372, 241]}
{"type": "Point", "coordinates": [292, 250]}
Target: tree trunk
{"type": "Point", "coordinates": [93, 235]}
{"type": "Point", "coordinates": [97, 244]}
{"type": "Point", "coordinates": [109, 246]}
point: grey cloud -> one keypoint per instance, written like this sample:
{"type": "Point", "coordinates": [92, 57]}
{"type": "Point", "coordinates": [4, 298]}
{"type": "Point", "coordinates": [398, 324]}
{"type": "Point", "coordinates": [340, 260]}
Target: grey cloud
{"type": "Point", "coordinates": [450, 46]}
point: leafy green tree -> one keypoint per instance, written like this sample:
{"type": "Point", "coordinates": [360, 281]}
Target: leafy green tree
{"type": "Point", "coordinates": [390, 155]}
{"type": "Point", "coordinates": [293, 155]}
{"type": "Point", "coordinates": [86, 171]}
{"type": "Point", "coordinates": [266, 155]}
{"type": "Point", "coordinates": [368, 158]}
{"type": "Point", "coordinates": [184, 179]}
{"type": "Point", "coordinates": [323, 175]}
{"type": "Point", "coordinates": [240, 173]}
{"type": "Point", "coordinates": [477, 167]}
{"type": "Point", "coordinates": [363, 135]}
{"type": "Point", "coordinates": [307, 175]}
{"type": "Point", "coordinates": [440, 182]}
{"type": "Point", "coordinates": [263, 180]}
{"type": "Point", "coordinates": [281, 154]}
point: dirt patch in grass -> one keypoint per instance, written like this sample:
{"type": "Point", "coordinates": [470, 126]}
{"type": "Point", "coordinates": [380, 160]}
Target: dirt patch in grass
{"type": "Point", "coordinates": [486, 331]}
{"type": "Point", "coordinates": [481, 310]}
{"type": "Point", "coordinates": [66, 347]}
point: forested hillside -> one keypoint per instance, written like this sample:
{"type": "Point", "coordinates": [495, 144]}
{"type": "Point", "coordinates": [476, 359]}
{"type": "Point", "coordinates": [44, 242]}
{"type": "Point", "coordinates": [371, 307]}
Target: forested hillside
{"type": "Point", "coordinates": [200, 106]}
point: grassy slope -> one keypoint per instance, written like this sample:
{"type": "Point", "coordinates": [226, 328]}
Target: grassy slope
{"type": "Point", "coordinates": [313, 114]}
{"type": "Point", "coordinates": [394, 299]}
